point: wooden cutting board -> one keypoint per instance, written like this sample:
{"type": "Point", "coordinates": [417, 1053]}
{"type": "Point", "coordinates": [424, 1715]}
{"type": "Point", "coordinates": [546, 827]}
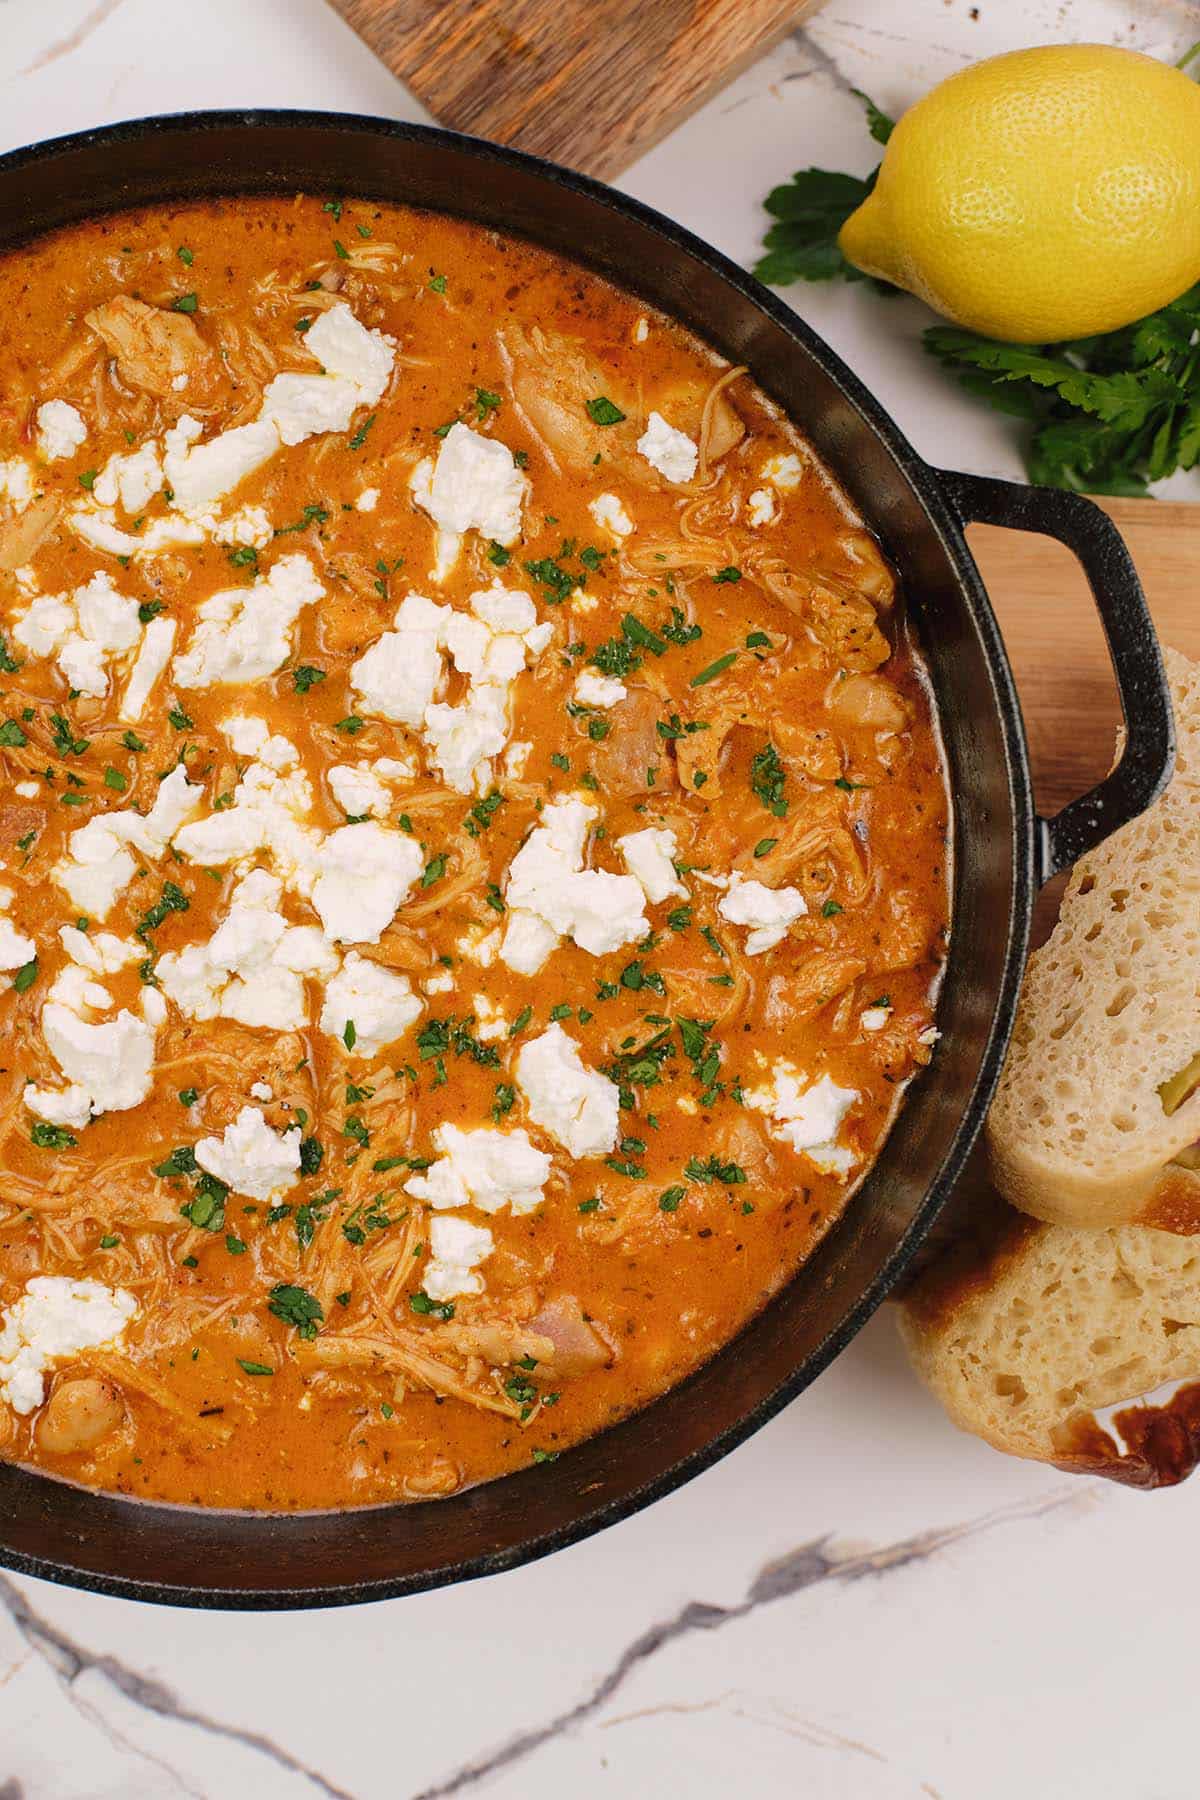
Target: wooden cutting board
{"type": "Point", "coordinates": [1055, 641]}
{"type": "Point", "coordinates": [589, 83]}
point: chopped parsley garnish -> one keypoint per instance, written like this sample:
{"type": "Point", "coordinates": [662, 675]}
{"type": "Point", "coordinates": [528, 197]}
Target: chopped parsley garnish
{"type": "Point", "coordinates": [8, 663]}
{"type": "Point", "coordinates": [11, 735]}
{"type": "Point", "coordinates": [767, 779]}
{"type": "Point", "coordinates": [88, 479]}
{"type": "Point", "coordinates": [520, 1022]}
{"type": "Point", "coordinates": [486, 402]}
{"type": "Point", "coordinates": [188, 1096]}
{"type": "Point", "coordinates": [360, 436]}
{"type": "Point", "coordinates": [312, 1154]}
{"type": "Point", "coordinates": [728, 573]}
{"type": "Point", "coordinates": [65, 741]}
{"type": "Point", "coordinates": [114, 779]}
{"type": "Point", "coordinates": [438, 284]}
{"type": "Point", "coordinates": [602, 411]}
{"type": "Point", "coordinates": [435, 868]}
{"type": "Point", "coordinates": [296, 1306]}
{"type": "Point", "coordinates": [306, 677]}
{"type": "Point", "coordinates": [314, 514]}
{"type": "Point", "coordinates": [765, 846]}
{"type": "Point", "coordinates": [493, 898]}
{"type": "Point", "coordinates": [185, 256]}
{"type": "Point", "coordinates": [254, 1368]}
{"type": "Point", "coordinates": [730, 1174]}
{"type": "Point", "coordinates": [26, 975]}
{"type": "Point", "coordinates": [173, 899]}
{"type": "Point", "coordinates": [52, 1137]}
{"type": "Point", "coordinates": [185, 303]}
{"type": "Point", "coordinates": [830, 909]}
{"type": "Point", "coordinates": [556, 581]}
{"type": "Point", "coordinates": [350, 1035]}
{"type": "Point", "coordinates": [482, 813]}
{"type": "Point", "coordinates": [669, 1200]}
{"type": "Point", "coordinates": [714, 669]}
{"type": "Point", "coordinates": [179, 719]}
{"type": "Point", "coordinates": [504, 1101]}
{"type": "Point", "coordinates": [433, 1309]}
{"type": "Point", "coordinates": [149, 609]}
{"type": "Point", "coordinates": [350, 725]}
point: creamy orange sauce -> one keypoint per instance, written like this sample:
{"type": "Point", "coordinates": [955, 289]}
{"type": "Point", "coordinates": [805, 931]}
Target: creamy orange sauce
{"type": "Point", "coordinates": [814, 767]}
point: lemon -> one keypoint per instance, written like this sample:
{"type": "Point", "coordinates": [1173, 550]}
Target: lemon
{"type": "Point", "coordinates": [1046, 194]}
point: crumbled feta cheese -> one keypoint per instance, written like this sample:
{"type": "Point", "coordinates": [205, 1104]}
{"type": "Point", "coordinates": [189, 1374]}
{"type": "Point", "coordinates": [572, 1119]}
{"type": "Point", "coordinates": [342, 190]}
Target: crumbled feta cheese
{"type": "Point", "coordinates": [592, 689]}
{"type": "Point", "coordinates": [474, 485]}
{"type": "Point", "coordinates": [641, 330]}
{"type": "Point", "coordinates": [367, 501]}
{"type": "Point", "coordinates": [16, 482]}
{"type": "Point", "coordinates": [56, 1316]}
{"type": "Point", "coordinates": [578, 1106]}
{"type": "Point", "coordinates": [15, 949]}
{"type": "Point", "coordinates": [550, 895]}
{"type": "Point", "coordinates": [768, 911]}
{"type": "Point", "coordinates": [441, 983]}
{"type": "Point", "coordinates": [456, 1249]}
{"type": "Point", "coordinates": [491, 1021]}
{"type": "Point", "coordinates": [364, 872]}
{"type": "Point", "coordinates": [609, 513]}
{"type": "Point", "coordinates": [671, 452]}
{"type": "Point", "coordinates": [244, 634]}
{"type": "Point", "coordinates": [874, 1018]}
{"type": "Point", "coordinates": [484, 1168]}
{"type": "Point", "coordinates": [378, 1003]}
{"type": "Point", "coordinates": [480, 945]}
{"type": "Point", "coordinates": [515, 759]}
{"type": "Point", "coordinates": [86, 629]}
{"type": "Point", "coordinates": [98, 864]}
{"type": "Point", "coordinates": [158, 641]}
{"type": "Point", "coordinates": [129, 481]}
{"type": "Point", "coordinates": [807, 1115]}
{"type": "Point", "coordinates": [252, 737]}
{"type": "Point", "coordinates": [250, 525]}
{"type": "Point", "coordinates": [250, 1158]}
{"type": "Point", "coordinates": [26, 790]}
{"type": "Point", "coordinates": [348, 351]}
{"type": "Point", "coordinates": [358, 792]}
{"type": "Point", "coordinates": [259, 1090]}
{"type": "Point", "coordinates": [761, 507]}
{"type": "Point", "coordinates": [253, 967]}
{"type": "Point", "coordinates": [60, 430]}
{"type": "Point", "coordinates": [199, 475]}
{"type": "Point", "coordinates": [269, 812]}
{"type": "Point", "coordinates": [650, 858]}
{"type": "Point", "coordinates": [784, 472]}
{"type": "Point", "coordinates": [399, 675]}
{"type": "Point", "coordinates": [111, 1062]}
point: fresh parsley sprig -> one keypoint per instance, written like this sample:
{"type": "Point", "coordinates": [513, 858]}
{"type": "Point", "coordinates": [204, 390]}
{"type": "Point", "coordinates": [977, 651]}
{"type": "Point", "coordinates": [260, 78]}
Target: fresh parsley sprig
{"type": "Point", "coordinates": [1106, 415]}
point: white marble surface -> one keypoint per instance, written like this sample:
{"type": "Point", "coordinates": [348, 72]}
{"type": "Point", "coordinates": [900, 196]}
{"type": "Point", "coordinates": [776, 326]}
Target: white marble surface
{"type": "Point", "coordinates": [859, 1604]}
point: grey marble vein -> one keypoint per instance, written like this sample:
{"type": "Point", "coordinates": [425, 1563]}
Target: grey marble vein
{"type": "Point", "coordinates": [64, 46]}
{"type": "Point", "coordinates": [822, 62]}
{"type": "Point", "coordinates": [69, 1661]}
{"type": "Point", "coordinates": [806, 1567]}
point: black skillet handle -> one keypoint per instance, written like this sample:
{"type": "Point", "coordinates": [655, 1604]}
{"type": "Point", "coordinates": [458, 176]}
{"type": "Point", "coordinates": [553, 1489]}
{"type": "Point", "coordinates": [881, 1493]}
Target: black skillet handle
{"type": "Point", "coordinates": [1149, 752]}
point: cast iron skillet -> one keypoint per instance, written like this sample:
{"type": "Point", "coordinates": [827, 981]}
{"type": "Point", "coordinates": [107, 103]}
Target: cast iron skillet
{"type": "Point", "coordinates": [200, 1558]}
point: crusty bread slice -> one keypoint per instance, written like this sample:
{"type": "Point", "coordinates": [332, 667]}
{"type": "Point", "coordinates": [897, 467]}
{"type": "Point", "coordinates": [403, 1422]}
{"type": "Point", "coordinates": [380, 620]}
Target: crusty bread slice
{"type": "Point", "coordinates": [1078, 1133]}
{"type": "Point", "coordinates": [1023, 1332]}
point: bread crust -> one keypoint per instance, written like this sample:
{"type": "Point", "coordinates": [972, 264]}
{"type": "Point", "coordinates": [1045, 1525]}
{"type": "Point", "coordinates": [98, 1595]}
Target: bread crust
{"type": "Point", "coordinates": [1078, 1134]}
{"type": "Point", "coordinates": [976, 1323]}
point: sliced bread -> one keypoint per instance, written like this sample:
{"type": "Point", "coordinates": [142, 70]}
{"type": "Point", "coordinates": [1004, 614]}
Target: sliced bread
{"type": "Point", "coordinates": [1098, 1108]}
{"type": "Point", "coordinates": [1024, 1331]}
